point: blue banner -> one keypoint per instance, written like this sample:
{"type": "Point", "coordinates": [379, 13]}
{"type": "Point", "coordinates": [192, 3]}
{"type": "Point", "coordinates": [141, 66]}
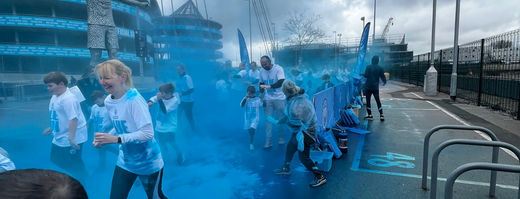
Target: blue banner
{"type": "Point", "coordinates": [244, 55]}
{"type": "Point", "coordinates": [324, 106]}
{"type": "Point", "coordinates": [362, 50]}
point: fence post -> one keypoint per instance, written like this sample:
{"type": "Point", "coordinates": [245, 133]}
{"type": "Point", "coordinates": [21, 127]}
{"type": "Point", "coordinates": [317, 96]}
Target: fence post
{"type": "Point", "coordinates": [440, 72]}
{"type": "Point", "coordinates": [481, 72]}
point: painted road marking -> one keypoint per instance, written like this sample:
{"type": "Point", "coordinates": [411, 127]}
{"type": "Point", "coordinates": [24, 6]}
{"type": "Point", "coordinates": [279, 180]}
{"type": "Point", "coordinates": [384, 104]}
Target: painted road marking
{"type": "Point", "coordinates": [357, 159]}
{"type": "Point", "coordinates": [485, 136]}
{"type": "Point", "coordinates": [417, 95]}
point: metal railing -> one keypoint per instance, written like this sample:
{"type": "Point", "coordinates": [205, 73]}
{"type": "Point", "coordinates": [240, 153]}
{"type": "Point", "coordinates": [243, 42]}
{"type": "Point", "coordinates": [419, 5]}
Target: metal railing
{"type": "Point", "coordinates": [454, 127]}
{"type": "Point", "coordinates": [448, 190]}
{"type": "Point", "coordinates": [494, 144]}
{"type": "Point", "coordinates": [30, 92]}
{"type": "Point", "coordinates": [488, 71]}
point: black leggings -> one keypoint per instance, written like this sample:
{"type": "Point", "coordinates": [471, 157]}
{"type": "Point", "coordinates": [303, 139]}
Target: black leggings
{"type": "Point", "coordinates": [123, 181]}
{"type": "Point", "coordinates": [292, 147]}
{"type": "Point", "coordinates": [187, 107]}
{"type": "Point", "coordinates": [368, 94]}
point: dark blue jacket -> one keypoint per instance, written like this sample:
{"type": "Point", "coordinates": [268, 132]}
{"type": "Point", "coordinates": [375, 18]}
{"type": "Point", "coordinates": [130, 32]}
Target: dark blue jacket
{"type": "Point", "coordinates": [373, 73]}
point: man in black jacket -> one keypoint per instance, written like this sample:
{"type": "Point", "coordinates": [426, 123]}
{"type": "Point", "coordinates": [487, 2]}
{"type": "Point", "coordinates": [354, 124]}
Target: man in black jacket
{"type": "Point", "coordinates": [373, 72]}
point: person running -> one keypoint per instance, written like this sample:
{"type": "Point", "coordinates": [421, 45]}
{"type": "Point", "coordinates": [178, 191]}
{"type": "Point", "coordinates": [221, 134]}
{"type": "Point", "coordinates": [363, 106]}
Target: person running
{"type": "Point", "coordinates": [252, 104]}
{"type": "Point", "coordinates": [166, 122]}
{"type": "Point", "coordinates": [185, 86]}
{"type": "Point", "coordinates": [272, 77]}
{"type": "Point", "coordinates": [67, 125]}
{"type": "Point", "coordinates": [373, 72]}
{"type": "Point", "coordinates": [139, 153]}
{"type": "Point", "coordinates": [301, 120]}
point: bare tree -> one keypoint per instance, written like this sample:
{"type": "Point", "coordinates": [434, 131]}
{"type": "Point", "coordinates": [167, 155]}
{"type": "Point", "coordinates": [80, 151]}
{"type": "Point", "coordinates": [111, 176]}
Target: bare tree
{"type": "Point", "coordinates": [502, 44]}
{"type": "Point", "coordinates": [302, 30]}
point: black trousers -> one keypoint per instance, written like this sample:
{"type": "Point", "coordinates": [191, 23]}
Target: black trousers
{"type": "Point", "coordinates": [69, 159]}
{"type": "Point", "coordinates": [368, 94]}
{"type": "Point", "coordinates": [187, 107]}
{"type": "Point", "coordinates": [123, 181]}
{"type": "Point", "coordinates": [292, 148]}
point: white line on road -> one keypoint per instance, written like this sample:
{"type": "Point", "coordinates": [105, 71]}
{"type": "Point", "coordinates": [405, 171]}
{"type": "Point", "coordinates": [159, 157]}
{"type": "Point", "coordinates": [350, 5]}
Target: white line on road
{"type": "Point", "coordinates": [485, 136]}
{"type": "Point", "coordinates": [417, 95]}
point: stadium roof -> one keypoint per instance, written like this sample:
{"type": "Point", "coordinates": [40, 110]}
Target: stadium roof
{"type": "Point", "coordinates": [188, 9]}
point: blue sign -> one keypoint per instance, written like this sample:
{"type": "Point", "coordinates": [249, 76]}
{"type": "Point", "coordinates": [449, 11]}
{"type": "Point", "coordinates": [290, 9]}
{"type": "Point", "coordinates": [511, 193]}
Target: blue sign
{"type": "Point", "coordinates": [192, 39]}
{"type": "Point", "coordinates": [324, 106]}
{"type": "Point", "coordinates": [52, 51]}
{"type": "Point", "coordinates": [43, 22]}
{"type": "Point", "coordinates": [341, 100]}
{"type": "Point", "coordinates": [182, 27]}
{"type": "Point", "coordinates": [121, 7]}
{"type": "Point", "coordinates": [187, 50]}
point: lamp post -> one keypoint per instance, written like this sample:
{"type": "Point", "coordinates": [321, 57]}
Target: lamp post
{"type": "Point", "coordinates": [250, 32]}
{"type": "Point", "coordinates": [339, 45]}
{"type": "Point", "coordinates": [431, 73]}
{"type": "Point", "coordinates": [259, 52]}
{"type": "Point", "coordinates": [374, 35]}
{"type": "Point", "coordinates": [335, 54]}
{"type": "Point", "coordinates": [363, 19]}
{"type": "Point", "coordinates": [236, 58]}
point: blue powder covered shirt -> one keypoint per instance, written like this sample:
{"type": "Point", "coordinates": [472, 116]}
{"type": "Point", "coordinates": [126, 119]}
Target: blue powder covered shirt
{"type": "Point", "coordinates": [185, 83]}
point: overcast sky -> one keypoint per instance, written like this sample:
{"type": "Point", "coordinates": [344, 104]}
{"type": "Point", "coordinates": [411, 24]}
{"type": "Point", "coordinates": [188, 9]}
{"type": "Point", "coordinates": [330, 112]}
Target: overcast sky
{"type": "Point", "coordinates": [478, 19]}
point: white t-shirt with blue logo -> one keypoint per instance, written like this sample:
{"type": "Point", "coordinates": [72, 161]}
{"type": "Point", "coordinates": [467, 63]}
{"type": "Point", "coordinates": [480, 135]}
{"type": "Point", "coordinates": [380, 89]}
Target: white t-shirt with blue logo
{"type": "Point", "coordinates": [184, 84]}
{"type": "Point", "coordinates": [254, 76]}
{"type": "Point", "coordinates": [270, 77]}
{"type": "Point", "coordinates": [166, 123]}
{"type": "Point", "coordinates": [132, 122]}
{"type": "Point", "coordinates": [101, 119]}
{"type": "Point", "coordinates": [63, 109]}
{"type": "Point", "coordinates": [252, 112]}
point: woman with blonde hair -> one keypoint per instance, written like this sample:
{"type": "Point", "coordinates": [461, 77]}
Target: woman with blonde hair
{"type": "Point", "coordinates": [139, 153]}
{"type": "Point", "coordinates": [301, 120]}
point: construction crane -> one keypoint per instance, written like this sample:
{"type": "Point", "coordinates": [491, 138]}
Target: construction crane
{"type": "Point", "coordinates": [387, 28]}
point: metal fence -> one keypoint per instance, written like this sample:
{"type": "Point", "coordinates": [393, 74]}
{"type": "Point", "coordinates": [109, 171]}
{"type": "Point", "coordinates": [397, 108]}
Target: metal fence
{"type": "Point", "coordinates": [488, 71]}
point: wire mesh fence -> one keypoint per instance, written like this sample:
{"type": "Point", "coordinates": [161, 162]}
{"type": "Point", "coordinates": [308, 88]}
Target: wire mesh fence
{"type": "Point", "coordinates": [488, 71]}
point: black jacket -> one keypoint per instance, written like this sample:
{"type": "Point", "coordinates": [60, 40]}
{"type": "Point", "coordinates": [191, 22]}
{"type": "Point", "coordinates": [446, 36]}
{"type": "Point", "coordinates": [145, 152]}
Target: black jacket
{"type": "Point", "coordinates": [373, 73]}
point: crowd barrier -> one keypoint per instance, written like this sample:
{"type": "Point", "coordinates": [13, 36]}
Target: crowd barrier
{"type": "Point", "coordinates": [27, 92]}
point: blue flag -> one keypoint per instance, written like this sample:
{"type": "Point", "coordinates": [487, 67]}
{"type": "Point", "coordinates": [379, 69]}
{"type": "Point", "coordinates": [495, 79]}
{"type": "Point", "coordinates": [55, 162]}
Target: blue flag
{"type": "Point", "coordinates": [362, 49]}
{"type": "Point", "coordinates": [244, 55]}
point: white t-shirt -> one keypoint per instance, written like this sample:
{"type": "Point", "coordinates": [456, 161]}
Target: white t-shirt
{"type": "Point", "coordinates": [222, 90]}
{"type": "Point", "coordinates": [101, 119]}
{"type": "Point", "coordinates": [5, 163]}
{"type": "Point", "coordinates": [254, 76]}
{"type": "Point", "coordinates": [252, 112]}
{"type": "Point", "coordinates": [63, 109]}
{"type": "Point", "coordinates": [298, 77]}
{"type": "Point", "coordinates": [270, 77]}
{"type": "Point", "coordinates": [167, 123]}
{"type": "Point", "coordinates": [239, 83]}
{"type": "Point", "coordinates": [184, 84]}
{"type": "Point", "coordinates": [139, 153]}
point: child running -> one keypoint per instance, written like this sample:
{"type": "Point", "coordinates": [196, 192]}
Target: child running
{"type": "Point", "coordinates": [166, 122]}
{"type": "Point", "coordinates": [139, 153]}
{"type": "Point", "coordinates": [252, 105]}
{"type": "Point", "coordinates": [67, 125]}
{"type": "Point", "coordinates": [102, 124]}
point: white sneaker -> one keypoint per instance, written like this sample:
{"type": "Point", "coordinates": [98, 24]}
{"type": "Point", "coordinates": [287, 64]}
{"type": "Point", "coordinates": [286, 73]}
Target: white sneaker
{"type": "Point", "coordinates": [281, 141]}
{"type": "Point", "coordinates": [251, 147]}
